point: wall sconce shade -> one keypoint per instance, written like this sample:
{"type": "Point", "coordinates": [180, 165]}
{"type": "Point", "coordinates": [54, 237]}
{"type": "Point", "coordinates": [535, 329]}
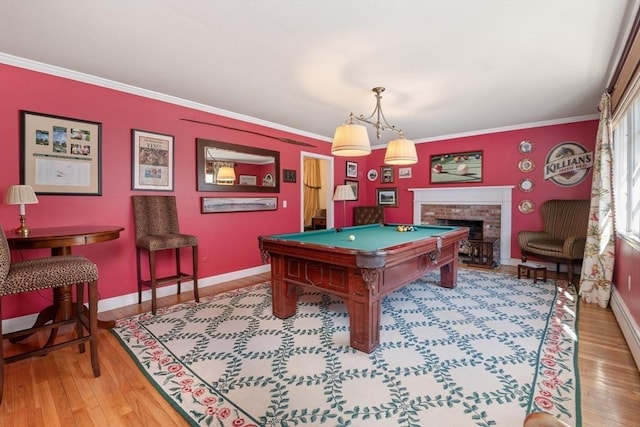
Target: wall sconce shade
{"type": "Point", "coordinates": [351, 139]}
{"type": "Point", "coordinates": [226, 176]}
{"type": "Point", "coordinates": [21, 195]}
{"type": "Point", "coordinates": [401, 151]}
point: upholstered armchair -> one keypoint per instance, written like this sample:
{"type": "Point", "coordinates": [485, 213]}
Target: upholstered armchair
{"type": "Point", "coordinates": [564, 233]}
{"type": "Point", "coordinates": [368, 215]}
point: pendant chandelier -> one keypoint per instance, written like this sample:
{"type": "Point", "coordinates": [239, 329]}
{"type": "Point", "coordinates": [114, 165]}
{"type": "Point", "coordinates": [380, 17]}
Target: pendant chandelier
{"type": "Point", "coordinates": [352, 140]}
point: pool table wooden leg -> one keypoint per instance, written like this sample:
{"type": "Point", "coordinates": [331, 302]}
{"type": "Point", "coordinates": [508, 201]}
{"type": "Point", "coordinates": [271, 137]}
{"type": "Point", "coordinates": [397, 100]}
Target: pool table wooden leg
{"type": "Point", "coordinates": [284, 295]}
{"type": "Point", "coordinates": [449, 275]}
{"type": "Point", "coordinates": [364, 314]}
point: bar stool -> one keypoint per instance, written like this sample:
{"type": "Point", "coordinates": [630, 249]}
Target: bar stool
{"type": "Point", "coordinates": [156, 223]}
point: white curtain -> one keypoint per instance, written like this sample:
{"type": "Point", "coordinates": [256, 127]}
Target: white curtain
{"type": "Point", "coordinates": [597, 266]}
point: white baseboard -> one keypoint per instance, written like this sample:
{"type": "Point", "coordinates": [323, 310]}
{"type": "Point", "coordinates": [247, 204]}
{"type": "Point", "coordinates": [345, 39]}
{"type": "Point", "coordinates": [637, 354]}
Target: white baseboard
{"type": "Point", "coordinates": [26, 321]}
{"type": "Point", "coordinates": [627, 323]}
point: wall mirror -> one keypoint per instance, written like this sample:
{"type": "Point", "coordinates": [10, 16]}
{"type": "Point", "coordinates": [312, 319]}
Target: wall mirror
{"type": "Point", "coordinates": [223, 166]}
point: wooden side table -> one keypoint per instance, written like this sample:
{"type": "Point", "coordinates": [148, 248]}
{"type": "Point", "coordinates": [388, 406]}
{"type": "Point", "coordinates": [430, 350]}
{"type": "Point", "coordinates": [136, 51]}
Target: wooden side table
{"type": "Point", "coordinates": [481, 252]}
{"type": "Point", "coordinates": [532, 269]}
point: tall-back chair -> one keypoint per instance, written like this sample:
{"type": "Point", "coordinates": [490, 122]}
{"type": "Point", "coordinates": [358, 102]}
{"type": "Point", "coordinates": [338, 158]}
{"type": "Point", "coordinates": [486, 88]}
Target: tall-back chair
{"type": "Point", "coordinates": [156, 223]}
{"type": "Point", "coordinates": [44, 273]}
{"type": "Point", "coordinates": [368, 215]}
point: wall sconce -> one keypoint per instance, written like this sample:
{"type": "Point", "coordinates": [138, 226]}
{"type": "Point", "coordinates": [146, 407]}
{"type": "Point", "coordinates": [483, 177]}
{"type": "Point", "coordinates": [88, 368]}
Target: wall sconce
{"type": "Point", "coordinates": [351, 139]}
{"type": "Point", "coordinates": [21, 195]}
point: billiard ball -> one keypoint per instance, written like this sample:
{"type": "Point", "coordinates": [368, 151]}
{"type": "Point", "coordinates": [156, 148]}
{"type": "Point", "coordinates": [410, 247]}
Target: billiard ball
{"type": "Point", "coordinates": [463, 169]}
{"type": "Point", "coordinates": [352, 237]}
{"type": "Point", "coordinates": [437, 168]}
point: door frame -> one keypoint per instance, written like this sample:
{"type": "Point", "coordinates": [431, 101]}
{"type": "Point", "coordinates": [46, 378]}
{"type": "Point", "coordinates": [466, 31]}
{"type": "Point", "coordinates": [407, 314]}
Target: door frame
{"type": "Point", "coordinates": [326, 180]}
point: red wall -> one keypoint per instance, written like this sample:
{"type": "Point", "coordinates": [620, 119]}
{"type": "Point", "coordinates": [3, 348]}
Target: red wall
{"type": "Point", "coordinates": [228, 242]}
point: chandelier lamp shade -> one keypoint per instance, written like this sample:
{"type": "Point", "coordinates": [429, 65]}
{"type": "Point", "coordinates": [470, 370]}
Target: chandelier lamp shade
{"type": "Point", "coordinates": [352, 140]}
{"type": "Point", "coordinates": [21, 195]}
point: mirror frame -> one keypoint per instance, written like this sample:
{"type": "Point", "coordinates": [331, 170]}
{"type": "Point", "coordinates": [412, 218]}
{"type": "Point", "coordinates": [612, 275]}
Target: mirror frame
{"type": "Point", "coordinates": [201, 143]}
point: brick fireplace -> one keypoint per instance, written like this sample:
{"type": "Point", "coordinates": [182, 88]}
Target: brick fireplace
{"type": "Point", "coordinates": [491, 205]}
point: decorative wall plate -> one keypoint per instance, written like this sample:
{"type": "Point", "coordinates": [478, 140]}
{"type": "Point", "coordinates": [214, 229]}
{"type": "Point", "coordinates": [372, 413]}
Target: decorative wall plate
{"type": "Point", "coordinates": [526, 165]}
{"type": "Point", "coordinates": [526, 185]}
{"type": "Point", "coordinates": [525, 146]}
{"type": "Point", "coordinates": [372, 175]}
{"type": "Point", "coordinates": [526, 206]}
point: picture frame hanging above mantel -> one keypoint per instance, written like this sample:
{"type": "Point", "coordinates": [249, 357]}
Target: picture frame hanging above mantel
{"type": "Point", "coordinates": [60, 155]}
{"type": "Point", "coordinates": [456, 167]}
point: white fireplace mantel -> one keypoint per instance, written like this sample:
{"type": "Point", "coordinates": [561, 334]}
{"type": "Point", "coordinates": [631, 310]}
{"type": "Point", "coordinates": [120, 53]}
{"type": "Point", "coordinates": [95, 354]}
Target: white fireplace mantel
{"type": "Point", "coordinates": [492, 195]}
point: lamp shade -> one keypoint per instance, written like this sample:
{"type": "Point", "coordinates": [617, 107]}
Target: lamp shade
{"type": "Point", "coordinates": [401, 151]}
{"type": "Point", "coordinates": [351, 140]}
{"type": "Point", "coordinates": [344, 192]}
{"type": "Point", "coordinates": [20, 195]}
{"type": "Point", "coordinates": [226, 176]}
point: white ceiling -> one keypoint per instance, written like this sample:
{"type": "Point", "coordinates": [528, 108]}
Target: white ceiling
{"type": "Point", "coordinates": [450, 67]}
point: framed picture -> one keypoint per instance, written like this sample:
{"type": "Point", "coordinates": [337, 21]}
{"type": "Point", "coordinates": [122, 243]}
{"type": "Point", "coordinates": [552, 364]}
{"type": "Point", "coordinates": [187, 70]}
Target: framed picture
{"type": "Point", "coordinates": [238, 204]}
{"type": "Point", "coordinates": [247, 179]}
{"type": "Point", "coordinates": [60, 155]}
{"type": "Point", "coordinates": [352, 170]}
{"type": "Point", "coordinates": [152, 161]}
{"type": "Point", "coordinates": [386, 174]}
{"type": "Point", "coordinates": [456, 167]}
{"type": "Point", "coordinates": [289, 175]}
{"type": "Point", "coordinates": [354, 186]}
{"type": "Point", "coordinates": [404, 173]}
{"type": "Point", "coordinates": [387, 197]}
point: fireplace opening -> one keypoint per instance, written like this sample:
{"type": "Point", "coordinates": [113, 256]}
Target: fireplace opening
{"type": "Point", "coordinates": [475, 226]}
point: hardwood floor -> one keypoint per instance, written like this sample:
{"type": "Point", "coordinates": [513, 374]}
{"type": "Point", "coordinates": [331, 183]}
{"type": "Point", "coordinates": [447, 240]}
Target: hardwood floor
{"type": "Point", "coordinates": [60, 390]}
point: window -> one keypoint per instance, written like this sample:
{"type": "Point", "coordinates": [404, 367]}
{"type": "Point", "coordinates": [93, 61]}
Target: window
{"type": "Point", "coordinates": [626, 170]}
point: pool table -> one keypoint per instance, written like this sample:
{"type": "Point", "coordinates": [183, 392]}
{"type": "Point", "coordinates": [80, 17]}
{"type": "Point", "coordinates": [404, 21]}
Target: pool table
{"type": "Point", "coordinates": [361, 271]}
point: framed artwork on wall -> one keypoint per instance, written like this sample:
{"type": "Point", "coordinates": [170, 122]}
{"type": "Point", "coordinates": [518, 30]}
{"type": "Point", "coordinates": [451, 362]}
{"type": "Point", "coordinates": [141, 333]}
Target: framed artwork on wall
{"type": "Point", "coordinates": [387, 197]}
{"type": "Point", "coordinates": [238, 204]}
{"type": "Point", "coordinates": [61, 155]}
{"type": "Point", "coordinates": [386, 174]}
{"type": "Point", "coordinates": [456, 167]}
{"type": "Point", "coordinates": [152, 161]}
{"type": "Point", "coordinates": [352, 170]}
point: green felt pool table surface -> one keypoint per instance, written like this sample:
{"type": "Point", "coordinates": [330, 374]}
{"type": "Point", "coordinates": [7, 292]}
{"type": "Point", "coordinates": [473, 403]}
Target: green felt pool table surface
{"type": "Point", "coordinates": [371, 237]}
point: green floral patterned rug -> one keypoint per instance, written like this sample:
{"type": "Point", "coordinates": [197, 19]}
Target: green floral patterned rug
{"type": "Point", "coordinates": [483, 354]}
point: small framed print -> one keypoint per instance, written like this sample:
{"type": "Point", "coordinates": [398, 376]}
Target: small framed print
{"type": "Point", "coordinates": [386, 174]}
{"type": "Point", "coordinates": [289, 175]}
{"type": "Point", "coordinates": [152, 161]}
{"type": "Point", "coordinates": [354, 186]}
{"type": "Point", "coordinates": [387, 197]}
{"type": "Point", "coordinates": [247, 180]}
{"type": "Point", "coordinates": [352, 170]}
{"type": "Point", "coordinates": [404, 173]}
{"type": "Point", "coordinates": [60, 155]}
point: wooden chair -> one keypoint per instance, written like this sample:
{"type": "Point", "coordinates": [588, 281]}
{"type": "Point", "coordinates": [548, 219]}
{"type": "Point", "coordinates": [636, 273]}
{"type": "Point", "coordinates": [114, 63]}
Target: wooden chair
{"type": "Point", "coordinates": [45, 273]}
{"type": "Point", "coordinates": [368, 215]}
{"type": "Point", "coordinates": [564, 234]}
{"type": "Point", "coordinates": [156, 224]}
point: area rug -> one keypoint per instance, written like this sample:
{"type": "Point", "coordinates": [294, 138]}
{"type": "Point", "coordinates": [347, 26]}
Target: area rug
{"type": "Point", "coordinates": [485, 353]}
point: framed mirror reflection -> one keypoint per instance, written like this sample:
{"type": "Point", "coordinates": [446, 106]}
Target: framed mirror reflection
{"type": "Point", "coordinates": [223, 166]}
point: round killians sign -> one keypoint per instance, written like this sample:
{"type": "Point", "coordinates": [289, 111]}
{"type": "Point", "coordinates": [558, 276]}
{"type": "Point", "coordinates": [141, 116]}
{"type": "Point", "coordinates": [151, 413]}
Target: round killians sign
{"type": "Point", "coordinates": [568, 164]}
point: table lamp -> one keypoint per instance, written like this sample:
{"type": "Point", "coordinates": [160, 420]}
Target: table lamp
{"type": "Point", "coordinates": [344, 193]}
{"type": "Point", "coordinates": [21, 195]}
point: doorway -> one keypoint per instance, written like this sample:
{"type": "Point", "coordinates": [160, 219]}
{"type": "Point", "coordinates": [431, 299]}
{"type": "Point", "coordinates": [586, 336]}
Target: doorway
{"type": "Point", "coordinates": [324, 190]}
